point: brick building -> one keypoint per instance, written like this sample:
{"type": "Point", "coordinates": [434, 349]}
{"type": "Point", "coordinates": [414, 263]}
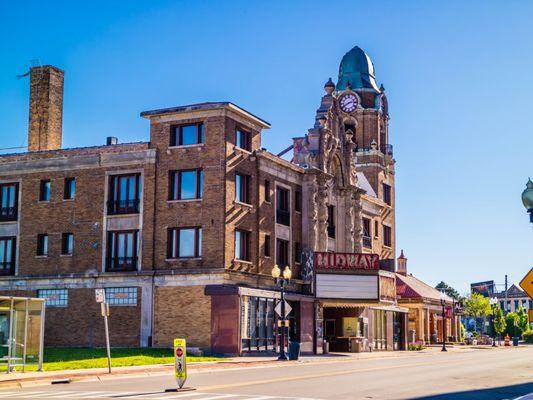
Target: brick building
{"type": "Point", "coordinates": [184, 230]}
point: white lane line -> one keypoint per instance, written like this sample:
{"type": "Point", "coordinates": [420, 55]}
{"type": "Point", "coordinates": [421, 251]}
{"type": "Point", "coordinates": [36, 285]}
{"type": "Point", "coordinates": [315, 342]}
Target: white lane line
{"type": "Point", "coordinates": [180, 395]}
{"type": "Point", "coordinates": [85, 395]}
{"type": "Point", "coordinates": [113, 395]}
{"type": "Point", "coordinates": [220, 396]}
{"type": "Point", "coordinates": [7, 394]}
{"type": "Point", "coordinates": [47, 395]}
{"type": "Point", "coordinates": [58, 395]}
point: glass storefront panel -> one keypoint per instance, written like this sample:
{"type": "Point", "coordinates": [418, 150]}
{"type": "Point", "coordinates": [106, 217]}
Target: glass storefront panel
{"type": "Point", "coordinates": [257, 324]}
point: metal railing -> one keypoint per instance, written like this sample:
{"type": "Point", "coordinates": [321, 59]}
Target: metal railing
{"type": "Point", "coordinates": [123, 206]}
{"type": "Point", "coordinates": [8, 214]}
{"type": "Point", "coordinates": [283, 217]}
{"type": "Point", "coordinates": [121, 264]}
{"type": "Point", "coordinates": [386, 149]}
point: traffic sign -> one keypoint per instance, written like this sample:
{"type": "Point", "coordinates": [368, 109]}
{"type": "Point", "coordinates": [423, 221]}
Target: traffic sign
{"type": "Point", "coordinates": [288, 309]}
{"type": "Point", "coordinates": [180, 365]}
{"type": "Point", "coordinates": [527, 283]}
{"type": "Point", "coordinates": [530, 313]}
{"type": "Point", "coordinates": [100, 295]}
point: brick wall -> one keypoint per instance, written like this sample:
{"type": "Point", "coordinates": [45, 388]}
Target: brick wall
{"type": "Point", "coordinates": [182, 312]}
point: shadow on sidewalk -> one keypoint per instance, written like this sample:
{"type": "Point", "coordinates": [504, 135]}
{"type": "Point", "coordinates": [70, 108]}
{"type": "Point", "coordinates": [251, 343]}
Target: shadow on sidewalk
{"type": "Point", "coordinates": [497, 393]}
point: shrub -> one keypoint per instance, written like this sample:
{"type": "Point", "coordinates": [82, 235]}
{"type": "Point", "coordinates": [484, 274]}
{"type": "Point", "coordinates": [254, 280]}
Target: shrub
{"type": "Point", "coordinates": [415, 347]}
{"type": "Point", "coordinates": [528, 337]}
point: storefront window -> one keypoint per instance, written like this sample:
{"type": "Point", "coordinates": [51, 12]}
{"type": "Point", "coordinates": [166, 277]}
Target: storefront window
{"type": "Point", "coordinates": [257, 324]}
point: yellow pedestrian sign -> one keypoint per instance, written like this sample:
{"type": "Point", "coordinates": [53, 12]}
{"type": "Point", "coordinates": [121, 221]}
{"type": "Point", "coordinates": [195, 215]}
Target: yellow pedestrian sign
{"type": "Point", "coordinates": [527, 283]}
{"type": "Point", "coordinates": [180, 365]}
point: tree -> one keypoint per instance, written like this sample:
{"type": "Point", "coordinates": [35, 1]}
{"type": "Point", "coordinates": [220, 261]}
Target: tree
{"type": "Point", "coordinates": [511, 322]}
{"type": "Point", "coordinates": [522, 320]}
{"type": "Point", "coordinates": [477, 306]}
{"type": "Point", "coordinates": [450, 291]}
{"type": "Point", "coordinates": [499, 321]}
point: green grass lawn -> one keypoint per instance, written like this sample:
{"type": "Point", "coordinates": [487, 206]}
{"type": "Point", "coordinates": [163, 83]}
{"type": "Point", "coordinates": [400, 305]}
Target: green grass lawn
{"type": "Point", "coordinates": [79, 358]}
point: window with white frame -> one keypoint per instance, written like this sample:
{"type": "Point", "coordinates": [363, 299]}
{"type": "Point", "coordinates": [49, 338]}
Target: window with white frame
{"type": "Point", "coordinates": [121, 296]}
{"type": "Point", "coordinates": [54, 297]}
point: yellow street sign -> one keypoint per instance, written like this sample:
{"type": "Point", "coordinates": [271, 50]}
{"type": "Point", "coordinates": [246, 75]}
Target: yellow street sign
{"type": "Point", "coordinates": [530, 312]}
{"type": "Point", "coordinates": [527, 283]}
{"type": "Point", "coordinates": [180, 365]}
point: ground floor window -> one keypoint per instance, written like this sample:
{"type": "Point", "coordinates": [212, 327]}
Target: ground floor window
{"type": "Point", "coordinates": [257, 324]}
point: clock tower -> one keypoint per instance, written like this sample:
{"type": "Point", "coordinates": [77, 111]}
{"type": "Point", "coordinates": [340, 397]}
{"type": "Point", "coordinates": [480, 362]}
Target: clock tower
{"type": "Point", "coordinates": [350, 141]}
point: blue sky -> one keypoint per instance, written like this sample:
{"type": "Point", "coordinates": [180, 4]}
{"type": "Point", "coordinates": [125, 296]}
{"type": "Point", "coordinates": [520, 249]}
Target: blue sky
{"type": "Point", "coordinates": [458, 77]}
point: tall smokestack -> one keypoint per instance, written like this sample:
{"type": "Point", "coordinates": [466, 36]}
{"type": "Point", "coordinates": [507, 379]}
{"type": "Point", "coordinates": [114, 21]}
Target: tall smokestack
{"type": "Point", "coordinates": [46, 108]}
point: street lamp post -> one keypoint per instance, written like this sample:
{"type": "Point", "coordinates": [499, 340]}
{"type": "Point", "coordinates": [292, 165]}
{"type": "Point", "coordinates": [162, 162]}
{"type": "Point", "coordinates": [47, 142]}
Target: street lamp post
{"type": "Point", "coordinates": [443, 304]}
{"type": "Point", "coordinates": [527, 199]}
{"type": "Point", "coordinates": [493, 301]}
{"type": "Point", "coordinates": [282, 280]}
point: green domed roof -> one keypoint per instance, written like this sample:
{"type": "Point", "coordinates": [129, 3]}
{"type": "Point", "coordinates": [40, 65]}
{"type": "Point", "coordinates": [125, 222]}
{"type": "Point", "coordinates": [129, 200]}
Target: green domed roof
{"type": "Point", "coordinates": [357, 68]}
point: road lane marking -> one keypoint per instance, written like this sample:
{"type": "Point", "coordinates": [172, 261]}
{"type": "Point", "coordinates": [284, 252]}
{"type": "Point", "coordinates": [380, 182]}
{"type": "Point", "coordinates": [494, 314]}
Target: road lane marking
{"type": "Point", "coordinates": [321, 375]}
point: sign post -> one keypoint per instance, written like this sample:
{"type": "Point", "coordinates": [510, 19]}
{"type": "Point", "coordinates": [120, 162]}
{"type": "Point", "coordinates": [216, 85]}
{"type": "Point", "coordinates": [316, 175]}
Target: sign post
{"type": "Point", "coordinates": [104, 307]}
{"type": "Point", "coordinates": [180, 364]}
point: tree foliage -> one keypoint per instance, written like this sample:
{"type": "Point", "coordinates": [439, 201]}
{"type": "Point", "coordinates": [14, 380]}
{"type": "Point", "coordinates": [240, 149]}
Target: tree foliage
{"type": "Point", "coordinates": [477, 306]}
{"type": "Point", "coordinates": [499, 321]}
{"type": "Point", "coordinates": [450, 291]}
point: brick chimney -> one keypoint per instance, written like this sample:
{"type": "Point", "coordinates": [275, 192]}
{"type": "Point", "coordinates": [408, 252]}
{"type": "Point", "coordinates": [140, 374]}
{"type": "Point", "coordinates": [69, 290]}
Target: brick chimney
{"type": "Point", "coordinates": [402, 264]}
{"type": "Point", "coordinates": [46, 108]}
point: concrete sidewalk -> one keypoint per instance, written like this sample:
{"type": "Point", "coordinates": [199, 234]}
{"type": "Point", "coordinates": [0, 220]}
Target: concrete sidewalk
{"type": "Point", "coordinates": [19, 379]}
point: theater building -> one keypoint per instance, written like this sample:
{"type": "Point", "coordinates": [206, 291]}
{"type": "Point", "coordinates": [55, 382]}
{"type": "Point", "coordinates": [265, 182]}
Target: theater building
{"type": "Point", "coordinates": [183, 230]}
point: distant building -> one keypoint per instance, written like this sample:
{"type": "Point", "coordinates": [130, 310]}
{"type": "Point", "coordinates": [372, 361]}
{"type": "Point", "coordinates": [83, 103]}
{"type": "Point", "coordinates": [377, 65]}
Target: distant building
{"type": "Point", "coordinates": [516, 297]}
{"type": "Point", "coordinates": [425, 308]}
{"type": "Point", "coordinates": [486, 288]}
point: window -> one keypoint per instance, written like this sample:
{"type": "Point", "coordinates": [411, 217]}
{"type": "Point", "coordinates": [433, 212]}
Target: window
{"type": "Point", "coordinates": [124, 194]}
{"type": "Point", "coordinates": [122, 250]}
{"type": "Point", "coordinates": [69, 190]}
{"type": "Point", "coordinates": [45, 190]}
{"type": "Point", "coordinates": [186, 135]}
{"type": "Point", "coordinates": [242, 188]}
{"type": "Point", "coordinates": [267, 245]}
{"type": "Point", "coordinates": [67, 243]}
{"type": "Point", "coordinates": [298, 201]}
{"type": "Point", "coordinates": [242, 245]}
{"type": "Point", "coordinates": [531, 304]}
{"type": "Point", "coordinates": [283, 213]}
{"type": "Point", "coordinates": [8, 201]}
{"type": "Point", "coordinates": [282, 253]}
{"type": "Point", "coordinates": [243, 139]}
{"type": "Point", "coordinates": [387, 236]}
{"type": "Point", "coordinates": [121, 296]}
{"type": "Point", "coordinates": [54, 297]}
{"type": "Point", "coordinates": [267, 191]}
{"type": "Point", "coordinates": [7, 255]}
{"type": "Point", "coordinates": [42, 244]}
{"type": "Point", "coordinates": [297, 252]}
{"type": "Point", "coordinates": [516, 305]}
{"type": "Point", "coordinates": [367, 235]}
{"type": "Point", "coordinates": [184, 242]}
{"type": "Point", "coordinates": [376, 229]}
{"type": "Point", "coordinates": [387, 198]}
{"type": "Point", "coordinates": [331, 221]}
{"type": "Point", "coordinates": [186, 184]}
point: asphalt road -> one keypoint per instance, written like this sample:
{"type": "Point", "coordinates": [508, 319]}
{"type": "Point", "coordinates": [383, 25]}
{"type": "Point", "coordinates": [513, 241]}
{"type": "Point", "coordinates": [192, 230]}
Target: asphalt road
{"type": "Point", "coordinates": [481, 374]}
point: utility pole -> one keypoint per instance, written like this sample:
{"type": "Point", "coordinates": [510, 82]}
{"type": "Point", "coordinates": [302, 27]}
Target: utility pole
{"type": "Point", "coordinates": [505, 304]}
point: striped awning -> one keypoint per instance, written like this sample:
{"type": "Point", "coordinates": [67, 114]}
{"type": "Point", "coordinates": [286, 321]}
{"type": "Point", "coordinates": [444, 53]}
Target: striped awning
{"type": "Point", "coordinates": [376, 305]}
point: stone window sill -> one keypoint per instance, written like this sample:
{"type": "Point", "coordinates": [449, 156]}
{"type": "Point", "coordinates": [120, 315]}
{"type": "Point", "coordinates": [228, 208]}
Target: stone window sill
{"type": "Point", "coordinates": [187, 146]}
{"type": "Point", "coordinates": [65, 255]}
{"type": "Point", "coordinates": [244, 205]}
{"type": "Point", "coordinates": [183, 259]}
{"type": "Point", "coordinates": [184, 201]}
{"type": "Point", "coordinates": [237, 149]}
{"type": "Point", "coordinates": [43, 256]}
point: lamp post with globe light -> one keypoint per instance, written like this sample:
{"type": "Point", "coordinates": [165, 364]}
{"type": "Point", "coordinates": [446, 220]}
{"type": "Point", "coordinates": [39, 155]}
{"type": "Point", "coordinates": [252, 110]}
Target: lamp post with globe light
{"type": "Point", "coordinates": [282, 280]}
{"type": "Point", "coordinates": [527, 199]}
{"type": "Point", "coordinates": [493, 301]}
{"type": "Point", "coordinates": [443, 304]}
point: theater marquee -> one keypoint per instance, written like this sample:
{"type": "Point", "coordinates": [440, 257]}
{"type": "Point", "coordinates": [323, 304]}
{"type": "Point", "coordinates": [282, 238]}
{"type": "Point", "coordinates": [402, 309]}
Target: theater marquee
{"type": "Point", "coordinates": [345, 261]}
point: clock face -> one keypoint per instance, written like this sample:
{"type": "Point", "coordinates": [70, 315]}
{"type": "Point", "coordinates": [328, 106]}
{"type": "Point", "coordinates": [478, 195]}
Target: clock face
{"type": "Point", "coordinates": [348, 103]}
